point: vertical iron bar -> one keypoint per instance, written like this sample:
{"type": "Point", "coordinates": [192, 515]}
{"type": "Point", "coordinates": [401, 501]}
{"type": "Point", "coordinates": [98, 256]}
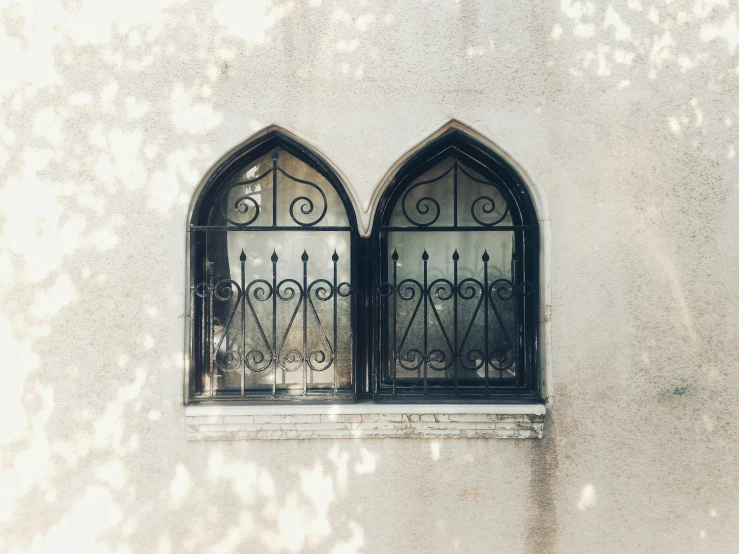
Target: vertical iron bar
{"type": "Point", "coordinates": [275, 155]}
{"type": "Point", "coordinates": [486, 297]}
{"type": "Point", "coordinates": [211, 331]}
{"type": "Point", "coordinates": [455, 191]}
{"type": "Point", "coordinates": [455, 257]}
{"type": "Point", "coordinates": [517, 277]}
{"type": "Point", "coordinates": [242, 257]}
{"type": "Point", "coordinates": [192, 344]}
{"type": "Point", "coordinates": [305, 321]}
{"type": "Point", "coordinates": [275, 354]}
{"type": "Point", "coordinates": [395, 318]}
{"type": "Point", "coordinates": [425, 258]}
{"type": "Point", "coordinates": [335, 258]}
{"type": "Point", "coordinates": [205, 356]}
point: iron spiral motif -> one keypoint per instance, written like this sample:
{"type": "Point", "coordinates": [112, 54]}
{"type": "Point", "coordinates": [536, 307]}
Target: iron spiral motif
{"type": "Point", "coordinates": [475, 337]}
{"type": "Point", "coordinates": [426, 211]}
{"type": "Point", "coordinates": [244, 210]}
{"type": "Point", "coordinates": [229, 351]}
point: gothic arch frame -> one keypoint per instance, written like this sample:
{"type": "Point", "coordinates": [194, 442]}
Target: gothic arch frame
{"type": "Point", "coordinates": [455, 140]}
{"type": "Point", "coordinates": [538, 196]}
{"type": "Point", "coordinates": [261, 142]}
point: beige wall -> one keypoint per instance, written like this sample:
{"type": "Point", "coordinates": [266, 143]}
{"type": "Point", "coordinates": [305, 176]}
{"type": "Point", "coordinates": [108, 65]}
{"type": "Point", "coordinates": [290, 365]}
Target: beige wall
{"type": "Point", "coordinates": [624, 113]}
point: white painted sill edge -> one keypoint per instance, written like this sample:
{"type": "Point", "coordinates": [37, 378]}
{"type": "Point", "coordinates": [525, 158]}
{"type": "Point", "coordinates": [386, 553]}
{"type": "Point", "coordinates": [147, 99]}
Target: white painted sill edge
{"type": "Point", "coordinates": [363, 420]}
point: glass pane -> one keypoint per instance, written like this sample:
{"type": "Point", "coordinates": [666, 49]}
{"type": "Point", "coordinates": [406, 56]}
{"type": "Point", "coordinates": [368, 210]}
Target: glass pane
{"type": "Point", "coordinates": [429, 199]}
{"type": "Point", "coordinates": [423, 328]}
{"type": "Point", "coordinates": [304, 197]}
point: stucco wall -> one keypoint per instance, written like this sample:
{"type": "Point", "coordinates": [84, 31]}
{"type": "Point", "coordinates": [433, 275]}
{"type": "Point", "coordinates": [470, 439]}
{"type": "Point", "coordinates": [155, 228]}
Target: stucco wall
{"type": "Point", "coordinates": [624, 113]}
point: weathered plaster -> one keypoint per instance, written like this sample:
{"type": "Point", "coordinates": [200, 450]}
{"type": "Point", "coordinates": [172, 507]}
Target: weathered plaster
{"type": "Point", "coordinates": [623, 113]}
{"type": "Point", "coordinates": [364, 420]}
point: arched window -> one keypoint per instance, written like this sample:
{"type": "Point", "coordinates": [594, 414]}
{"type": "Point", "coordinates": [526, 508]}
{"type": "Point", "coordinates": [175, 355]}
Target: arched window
{"type": "Point", "coordinates": [456, 251]}
{"type": "Point", "coordinates": [271, 265]}
{"type": "Point", "coordinates": [440, 303]}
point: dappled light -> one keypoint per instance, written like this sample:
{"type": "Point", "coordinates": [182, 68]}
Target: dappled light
{"type": "Point", "coordinates": [626, 113]}
{"type": "Point", "coordinates": [587, 498]}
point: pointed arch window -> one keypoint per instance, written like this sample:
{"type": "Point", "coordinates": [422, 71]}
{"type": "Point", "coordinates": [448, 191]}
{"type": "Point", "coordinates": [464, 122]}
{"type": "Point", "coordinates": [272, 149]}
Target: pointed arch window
{"type": "Point", "coordinates": [456, 248]}
{"type": "Point", "coordinates": [271, 265]}
{"type": "Point", "coordinates": [439, 304]}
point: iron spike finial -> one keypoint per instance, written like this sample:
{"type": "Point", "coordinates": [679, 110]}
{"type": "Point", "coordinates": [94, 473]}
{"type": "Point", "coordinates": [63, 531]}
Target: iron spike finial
{"type": "Point", "coordinates": [335, 257]}
{"type": "Point", "coordinates": [485, 256]}
{"type": "Point", "coordinates": [425, 255]}
{"type": "Point", "coordinates": [274, 256]}
{"type": "Point", "coordinates": [455, 256]}
{"type": "Point", "coordinates": [243, 255]}
{"type": "Point", "coordinates": [304, 257]}
{"type": "Point", "coordinates": [395, 255]}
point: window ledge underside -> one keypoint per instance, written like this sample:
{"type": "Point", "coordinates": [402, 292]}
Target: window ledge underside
{"type": "Point", "coordinates": [364, 421]}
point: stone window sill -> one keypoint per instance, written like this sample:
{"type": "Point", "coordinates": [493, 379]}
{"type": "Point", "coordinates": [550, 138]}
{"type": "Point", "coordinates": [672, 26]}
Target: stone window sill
{"type": "Point", "coordinates": [364, 420]}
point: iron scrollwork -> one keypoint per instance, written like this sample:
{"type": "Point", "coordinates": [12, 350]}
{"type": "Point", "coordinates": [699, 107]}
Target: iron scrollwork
{"type": "Point", "coordinates": [302, 209]}
{"type": "Point", "coordinates": [429, 207]}
{"type": "Point", "coordinates": [458, 347]}
{"type": "Point", "coordinates": [229, 351]}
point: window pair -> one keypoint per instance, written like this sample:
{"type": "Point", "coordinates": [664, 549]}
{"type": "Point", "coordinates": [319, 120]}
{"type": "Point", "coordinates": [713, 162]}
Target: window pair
{"type": "Point", "coordinates": [288, 302]}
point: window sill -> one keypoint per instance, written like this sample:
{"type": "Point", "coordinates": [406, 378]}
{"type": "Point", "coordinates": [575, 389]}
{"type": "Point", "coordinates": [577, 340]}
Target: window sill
{"type": "Point", "coordinates": [364, 420]}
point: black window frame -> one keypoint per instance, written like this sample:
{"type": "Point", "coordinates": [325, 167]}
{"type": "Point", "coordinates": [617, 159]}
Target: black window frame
{"type": "Point", "coordinates": [369, 270]}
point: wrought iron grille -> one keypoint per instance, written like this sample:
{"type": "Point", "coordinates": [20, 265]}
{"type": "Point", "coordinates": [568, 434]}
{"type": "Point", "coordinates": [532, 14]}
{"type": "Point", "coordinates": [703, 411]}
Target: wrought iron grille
{"type": "Point", "coordinates": [231, 349]}
{"type": "Point", "coordinates": [240, 205]}
{"type": "Point", "coordinates": [474, 345]}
